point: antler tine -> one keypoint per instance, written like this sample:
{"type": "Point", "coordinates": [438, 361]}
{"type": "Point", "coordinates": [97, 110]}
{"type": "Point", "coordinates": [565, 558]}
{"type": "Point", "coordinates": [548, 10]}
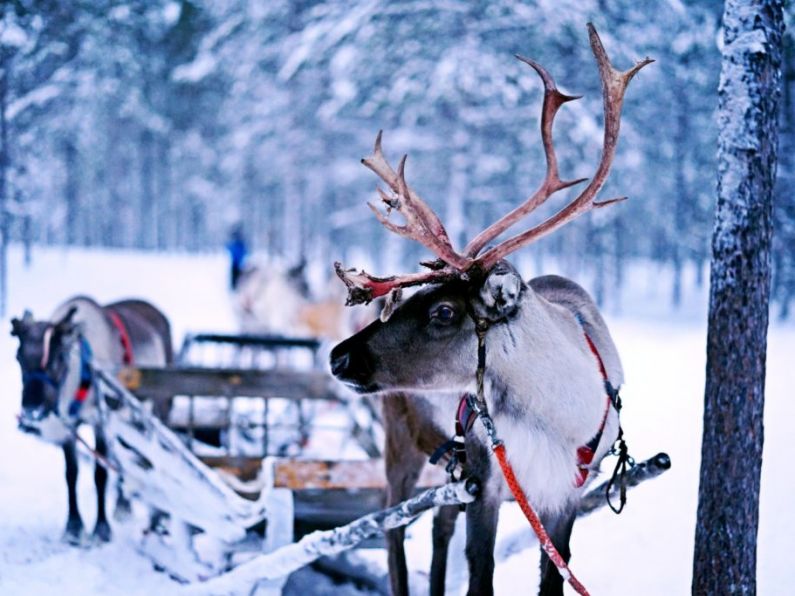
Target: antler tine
{"type": "Point", "coordinates": [363, 287]}
{"type": "Point", "coordinates": [614, 85]}
{"type": "Point", "coordinates": [422, 224]}
{"type": "Point", "coordinates": [552, 183]}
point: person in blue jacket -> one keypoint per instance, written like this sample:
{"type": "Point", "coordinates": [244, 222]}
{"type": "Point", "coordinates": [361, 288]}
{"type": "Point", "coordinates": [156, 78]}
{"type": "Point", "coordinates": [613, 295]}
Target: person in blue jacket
{"type": "Point", "coordinates": [238, 252]}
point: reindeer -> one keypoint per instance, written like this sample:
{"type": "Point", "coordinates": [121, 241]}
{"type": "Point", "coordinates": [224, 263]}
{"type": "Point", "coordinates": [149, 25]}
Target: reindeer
{"type": "Point", "coordinates": [547, 372]}
{"type": "Point", "coordinates": [57, 358]}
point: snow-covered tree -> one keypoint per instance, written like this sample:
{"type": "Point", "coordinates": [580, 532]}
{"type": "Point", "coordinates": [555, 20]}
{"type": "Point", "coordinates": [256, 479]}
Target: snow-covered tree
{"type": "Point", "coordinates": [158, 124]}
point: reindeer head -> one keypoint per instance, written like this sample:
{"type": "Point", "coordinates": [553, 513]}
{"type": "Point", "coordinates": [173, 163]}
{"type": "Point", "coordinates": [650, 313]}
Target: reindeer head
{"type": "Point", "coordinates": [437, 324]}
{"type": "Point", "coordinates": [43, 356]}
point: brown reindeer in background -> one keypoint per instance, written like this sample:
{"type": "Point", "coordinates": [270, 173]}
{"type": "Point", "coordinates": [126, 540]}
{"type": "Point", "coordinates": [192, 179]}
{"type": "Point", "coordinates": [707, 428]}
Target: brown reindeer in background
{"type": "Point", "coordinates": [552, 372]}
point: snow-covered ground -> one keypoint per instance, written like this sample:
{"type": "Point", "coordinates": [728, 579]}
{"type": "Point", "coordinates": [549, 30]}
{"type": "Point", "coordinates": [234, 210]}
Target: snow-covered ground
{"type": "Point", "coordinates": [646, 550]}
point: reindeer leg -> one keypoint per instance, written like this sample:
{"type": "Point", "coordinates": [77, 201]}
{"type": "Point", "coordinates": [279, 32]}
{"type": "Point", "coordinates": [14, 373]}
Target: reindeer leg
{"type": "Point", "coordinates": [482, 516]}
{"type": "Point", "coordinates": [74, 523]}
{"type": "Point", "coordinates": [122, 511]}
{"type": "Point", "coordinates": [403, 463]}
{"type": "Point", "coordinates": [443, 528]}
{"type": "Point", "coordinates": [102, 532]}
{"type": "Point", "coordinates": [401, 482]}
{"type": "Point", "coordinates": [559, 529]}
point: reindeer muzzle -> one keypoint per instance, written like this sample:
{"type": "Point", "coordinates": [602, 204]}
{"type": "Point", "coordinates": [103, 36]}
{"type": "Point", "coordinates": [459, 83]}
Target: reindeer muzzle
{"type": "Point", "coordinates": [352, 364]}
{"type": "Point", "coordinates": [29, 420]}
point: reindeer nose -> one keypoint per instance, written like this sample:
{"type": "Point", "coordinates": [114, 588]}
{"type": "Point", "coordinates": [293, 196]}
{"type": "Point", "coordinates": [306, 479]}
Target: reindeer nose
{"type": "Point", "coordinates": [339, 363]}
{"type": "Point", "coordinates": [352, 363]}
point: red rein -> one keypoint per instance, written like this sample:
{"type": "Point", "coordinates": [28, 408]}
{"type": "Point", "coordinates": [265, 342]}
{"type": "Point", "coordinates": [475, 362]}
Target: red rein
{"type": "Point", "coordinates": [535, 522]}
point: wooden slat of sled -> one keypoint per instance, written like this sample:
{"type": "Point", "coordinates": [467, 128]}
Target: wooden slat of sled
{"type": "Point", "coordinates": [255, 340]}
{"type": "Point", "coordinates": [160, 383]}
{"type": "Point", "coordinates": [365, 474]}
{"type": "Point", "coordinates": [244, 469]}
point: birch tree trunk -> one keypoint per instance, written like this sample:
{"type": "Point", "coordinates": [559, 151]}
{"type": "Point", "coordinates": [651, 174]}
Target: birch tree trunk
{"type": "Point", "coordinates": [731, 453]}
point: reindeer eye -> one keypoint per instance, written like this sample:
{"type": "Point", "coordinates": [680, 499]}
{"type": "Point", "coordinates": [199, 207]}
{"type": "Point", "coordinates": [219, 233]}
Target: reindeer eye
{"type": "Point", "coordinates": [444, 313]}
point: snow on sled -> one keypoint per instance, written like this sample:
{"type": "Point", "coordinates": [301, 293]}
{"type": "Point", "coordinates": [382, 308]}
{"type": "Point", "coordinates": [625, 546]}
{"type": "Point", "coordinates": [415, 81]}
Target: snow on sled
{"type": "Point", "coordinates": [213, 468]}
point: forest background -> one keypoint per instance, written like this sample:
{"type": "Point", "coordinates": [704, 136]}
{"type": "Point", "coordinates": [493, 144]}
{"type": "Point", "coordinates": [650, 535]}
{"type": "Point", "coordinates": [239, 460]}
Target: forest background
{"type": "Point", "coordinates": [158, 125]}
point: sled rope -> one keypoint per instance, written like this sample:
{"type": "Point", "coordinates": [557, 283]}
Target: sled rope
{"type": "Point", "coordinates": [101, 459]}
{"type": "Point", "coordinates": [478, 404]}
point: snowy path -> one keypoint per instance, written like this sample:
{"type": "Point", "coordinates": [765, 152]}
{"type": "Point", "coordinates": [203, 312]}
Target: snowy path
{"type": "Point", "coordinates": [647, 550]}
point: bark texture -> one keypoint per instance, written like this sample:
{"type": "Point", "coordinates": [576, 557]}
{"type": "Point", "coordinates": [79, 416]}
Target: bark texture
{"type": "Point", "coordinates": [731, 452]}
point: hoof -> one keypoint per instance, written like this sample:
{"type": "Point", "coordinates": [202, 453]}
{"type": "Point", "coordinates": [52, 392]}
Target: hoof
{"type": "Point", "coordinates": [102, 532]}
{"type": "Point", "coordinates": [123, 510]}
{"type": "Point", "coordinates": [74, 534]}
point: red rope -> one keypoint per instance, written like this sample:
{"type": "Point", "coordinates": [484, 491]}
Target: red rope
{"type": "Point", "coordinates": [103, 461]}
{"type": "Point", "coordinates": [535, 522]}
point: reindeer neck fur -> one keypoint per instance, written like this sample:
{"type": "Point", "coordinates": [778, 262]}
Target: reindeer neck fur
{"type": "Point", "coordinates": [546, 396]}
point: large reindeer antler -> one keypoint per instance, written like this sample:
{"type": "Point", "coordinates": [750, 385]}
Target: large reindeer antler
{"type": "Point", "coordinates": [424, 226]}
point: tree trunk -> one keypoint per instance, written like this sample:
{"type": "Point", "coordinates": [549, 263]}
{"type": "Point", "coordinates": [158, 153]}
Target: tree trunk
{"type": "Point", "coordinates": [27, 239]}
{"type": "Point", "coordinates": [784, 206]}
{"type": "Point", "coordinates": [71, 192]}
{"type": "Point", "coordinates": [619, 249]}
{"type": "Point", "coordinates": [4, 162]}
{"type": "Point", "coordinates": [681, 195]}
{"type": "Point", "coordinates": [166, 237]}
{"type": "Point", "coordinates": [148, 215]}
{"type": "Point", "coordinates": [458, 182]}
{"type": "Point", "coordinates": [731, 454]}
{"type": "Point", "coordinates": [291, 229]}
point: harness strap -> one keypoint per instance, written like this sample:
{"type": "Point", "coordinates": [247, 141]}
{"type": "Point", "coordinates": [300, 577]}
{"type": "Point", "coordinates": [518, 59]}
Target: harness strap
{"type": "Point", "coordinates": [86, 378]}
{"type": "Point", "coordinates": [124, 337]}
{"type": "Point", "coordinates": [86, 373]}
{"type": "Point", "coordinates": [444, 448]}
{"type": "Point", "coordinates": [585, 453]}
{"type": "Point", "coordinates": [465, 417]}
{"type": "Point", "coordinates": [625, 460]}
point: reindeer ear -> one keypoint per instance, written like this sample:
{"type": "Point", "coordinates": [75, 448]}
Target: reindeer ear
{"type": "Point", "coordinates": [500, 293]}
{"type": "Point", "coordinates": [65, 325]}
{"type": "Point", "coordinates": [18, 326]}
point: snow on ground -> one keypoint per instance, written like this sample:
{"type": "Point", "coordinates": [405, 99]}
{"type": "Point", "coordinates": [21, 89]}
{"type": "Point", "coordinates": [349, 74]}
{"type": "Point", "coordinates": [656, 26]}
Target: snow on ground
{"type": "Point", "coordinates": [646, 550]}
